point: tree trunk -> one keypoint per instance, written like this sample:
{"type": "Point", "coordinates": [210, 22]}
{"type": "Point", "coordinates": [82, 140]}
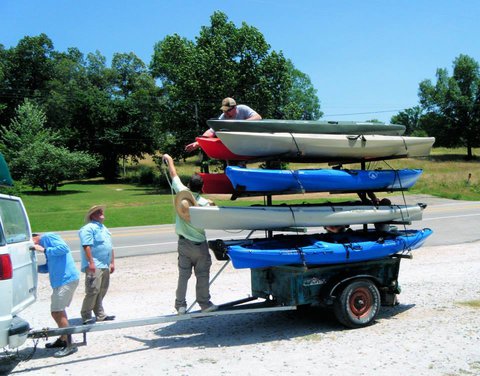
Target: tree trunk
{"type": "Point", "coordinates": [110, 167]}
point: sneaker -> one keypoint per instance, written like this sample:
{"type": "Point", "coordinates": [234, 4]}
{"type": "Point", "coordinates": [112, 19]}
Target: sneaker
{"type": "Point", "coordinates": [88, 322]}
{"type": "Point", "coordinates": [67, 350]}
{"type": "Point", "coordinates": [58, 343]}
{"type": "Point", "coordinates": [210, 308]}
{"type": "Point", "coordinates": [182, 310]}
{"type": "Point", "coordinates": [106, 318]}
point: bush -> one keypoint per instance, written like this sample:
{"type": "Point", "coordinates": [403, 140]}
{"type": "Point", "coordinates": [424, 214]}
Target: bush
{"type": "Point", "coordinates": [146, 175]}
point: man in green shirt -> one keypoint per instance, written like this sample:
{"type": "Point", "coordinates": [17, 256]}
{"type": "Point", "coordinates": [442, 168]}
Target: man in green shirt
{"type": "Point", "coordinates": [192, 242]}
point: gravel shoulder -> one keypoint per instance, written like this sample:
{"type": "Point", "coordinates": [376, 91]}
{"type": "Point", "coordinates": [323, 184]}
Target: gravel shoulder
{"type": "Point", "coordinates": [429, 333]}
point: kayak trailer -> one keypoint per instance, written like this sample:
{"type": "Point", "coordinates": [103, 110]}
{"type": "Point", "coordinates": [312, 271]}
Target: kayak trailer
{"type": "Point", "coordinates": [355, 292]}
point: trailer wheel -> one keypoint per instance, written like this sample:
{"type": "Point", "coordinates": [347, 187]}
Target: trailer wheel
{"type": "Point", "coordinates": [358, 304]}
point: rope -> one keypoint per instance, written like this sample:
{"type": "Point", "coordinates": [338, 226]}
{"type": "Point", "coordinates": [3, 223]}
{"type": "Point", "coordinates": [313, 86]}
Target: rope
{"type": "Point", "coordinates": [294, 219]}
{"type": "Point", "coordinates": [295, 176]}
{"type": "Point", "coordinates": [299, 153]}
{"type": "Point", "coordinates": [172, 192]}
{"type": "Point", "coordinates": [405, 144]}
{"type": "Point", "coordinates": [302, 256]}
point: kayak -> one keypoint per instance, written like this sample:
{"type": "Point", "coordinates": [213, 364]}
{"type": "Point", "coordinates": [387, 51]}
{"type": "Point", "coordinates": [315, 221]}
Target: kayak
{"type": "Point", "coordinates": [216, 184]}
{"type": "Point", "coordinates": [321, 249]}
{"type": "Point", "coordinates": [5, 177]}
{"type": "Point", "coordinates": [291, 216]}
{"type": "Point", "coordinates": [320, 180]}
{"type": "Point", "coordinates": [326, 146]}
{"type": "Point", "coordinates": [215, 149]}
{"type": "Point", "coordinates": [306, 126]}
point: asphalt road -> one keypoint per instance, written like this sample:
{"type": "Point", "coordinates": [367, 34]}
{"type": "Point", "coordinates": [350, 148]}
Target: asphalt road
{"type": "Point", "coordinates": [453, 222]}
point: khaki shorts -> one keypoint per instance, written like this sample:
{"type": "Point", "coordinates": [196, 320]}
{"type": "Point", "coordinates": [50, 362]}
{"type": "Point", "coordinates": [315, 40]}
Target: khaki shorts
{"type": "Point", "coordinates": [62, 296]}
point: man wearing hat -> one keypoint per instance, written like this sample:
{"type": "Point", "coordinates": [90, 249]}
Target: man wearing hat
{"type": "Point", "coordinates": [97, 264]}
{"type": "Point", "coordinates": [231, 111]}
{"type": "Point", "coordinates": [192, 242]}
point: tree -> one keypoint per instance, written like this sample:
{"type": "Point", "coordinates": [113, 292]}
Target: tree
{"type": "Point", "coordinates": [411, 118]}
{"type": "Point", "coordinates": [454, 102]}
{"type": "Point", "coordinates": [225, 61]}
{"type": "Point", "coordinates": [45, 166]}
{"type": "Point", "coordinates": [109, 112]}
{"type": "Point", "coordinates": [26, 68]}
{"type": "Point", "coordinates": [32, 154]}
{"type": "Point", "coordinates": [303, 102]}
{"type": "Point", "coordinates": [27, 126]}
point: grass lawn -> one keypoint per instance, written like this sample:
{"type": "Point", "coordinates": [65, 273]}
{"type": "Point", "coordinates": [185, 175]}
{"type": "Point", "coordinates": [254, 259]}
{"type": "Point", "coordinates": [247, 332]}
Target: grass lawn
{"type": "Point", "coordinates": [446, 174]}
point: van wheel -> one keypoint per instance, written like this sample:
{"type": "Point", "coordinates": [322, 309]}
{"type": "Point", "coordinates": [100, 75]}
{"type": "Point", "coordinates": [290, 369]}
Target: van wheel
{"type": "Point", "coordinates": [358, 304]}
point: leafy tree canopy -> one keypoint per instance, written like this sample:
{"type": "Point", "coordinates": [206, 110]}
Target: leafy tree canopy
{"type": "Point", "coordinates": [226, 61]}
{"type": "Point", "coordinates": [32, 154]}
{"type": "Point", "coordinates": [453, 103]}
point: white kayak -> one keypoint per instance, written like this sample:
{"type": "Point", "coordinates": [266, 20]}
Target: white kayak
{"type": "Point", "coordinates": [283, 216]}
{"type": "Point", "coordinates": [326, 146]}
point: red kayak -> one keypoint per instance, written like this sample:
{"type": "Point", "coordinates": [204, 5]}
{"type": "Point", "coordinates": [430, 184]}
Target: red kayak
{"type": "Point", "coordinates": [217, 150]}
{"type": "Point", "coordinates": [216, 183]}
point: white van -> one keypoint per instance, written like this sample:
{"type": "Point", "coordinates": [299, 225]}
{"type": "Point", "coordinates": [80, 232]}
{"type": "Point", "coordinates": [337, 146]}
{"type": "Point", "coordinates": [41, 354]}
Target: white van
{"type": "Point", "coordinates": [18, 271]}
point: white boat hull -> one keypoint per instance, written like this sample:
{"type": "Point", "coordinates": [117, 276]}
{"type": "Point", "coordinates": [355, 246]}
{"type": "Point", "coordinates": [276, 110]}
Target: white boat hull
{"type": "Point", "coordinates": [278, 217]}
{"type": "Point", "coordinates": [330, 146]}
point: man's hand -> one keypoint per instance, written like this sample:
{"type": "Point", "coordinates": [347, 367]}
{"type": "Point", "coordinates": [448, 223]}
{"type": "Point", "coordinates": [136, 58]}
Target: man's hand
{"type": "Point", "coordinates": [91, 268]}
{"type": "Point", "coordinates": [167, 159]}
{"type": "Point", "coordinates": [112, 267]}
{"type": "Point", "coordinates": [39, 248]}
{"type": "Point", "coordinates": [191, 147]}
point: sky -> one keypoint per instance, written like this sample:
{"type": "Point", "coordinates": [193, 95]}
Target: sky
{"type": "Point", "coordinates": [365, 58]}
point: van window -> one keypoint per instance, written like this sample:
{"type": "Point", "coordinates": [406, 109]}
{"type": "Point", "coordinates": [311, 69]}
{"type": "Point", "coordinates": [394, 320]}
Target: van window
{"type": "Point", "coordinates": [15, 225]}
{"type": "Point", "coordinates": [2, 238]}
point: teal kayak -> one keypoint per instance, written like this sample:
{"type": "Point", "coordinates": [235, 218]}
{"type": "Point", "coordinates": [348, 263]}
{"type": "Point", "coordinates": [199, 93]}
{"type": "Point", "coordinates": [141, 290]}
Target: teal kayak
{"type": "Point", "coordinates": [306, 126]}
{"type": "Point", "coordinates": [5, 177]}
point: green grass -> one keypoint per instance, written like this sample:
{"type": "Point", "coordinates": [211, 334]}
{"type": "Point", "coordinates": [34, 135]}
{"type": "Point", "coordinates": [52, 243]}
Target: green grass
{"type": "Point", "coordinates": [446, 174]}
{"type": "Point", "coordinates": [127, 205]}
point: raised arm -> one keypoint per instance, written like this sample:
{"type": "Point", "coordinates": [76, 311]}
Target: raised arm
{"type": "Point", "coordinates": [167, 159]}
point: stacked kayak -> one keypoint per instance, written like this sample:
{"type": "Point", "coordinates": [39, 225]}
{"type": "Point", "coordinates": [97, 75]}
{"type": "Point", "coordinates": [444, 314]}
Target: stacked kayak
{"type": "Point", "coordinates": [238, 180]}
{"type": "Point", "coordinates": [324, 147]}
{"type": "Point", "coordinates": [244, 146]}
{"type": "Point", "coordinates": [215, 149]}
{"type": "Point", "coordinates": [306, 126]}
{"type": "Point", "coordinates": [319, 249]}
{"type": "Point", "coordinates": [216, 184]}
{"type": "Point", "coordinates": [311, 141]}
{"type": "Point", "coordinates": [320, 180]}
{"type": "Point", "coordinates": [271, 217]}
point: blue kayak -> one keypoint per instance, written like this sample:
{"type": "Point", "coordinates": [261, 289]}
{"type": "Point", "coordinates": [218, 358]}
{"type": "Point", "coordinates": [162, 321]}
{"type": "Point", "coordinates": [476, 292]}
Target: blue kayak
{"type": "Point", "coordinates": [320, 249]}
{"type": "Point", "coordinates": [321, 180]}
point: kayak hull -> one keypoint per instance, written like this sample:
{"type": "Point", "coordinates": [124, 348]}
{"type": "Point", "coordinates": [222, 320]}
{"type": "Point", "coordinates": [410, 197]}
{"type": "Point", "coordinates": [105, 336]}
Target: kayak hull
{"type": "Point", "coordinates": [320, 180]}
{"type": "Point", "coordinates": [324, 249]}
{"type": "Point", "coordinates": [329, 147]}
{"type": "Point", "coordinates": [306, 126]}
{"type": "Point", "coordinates": [287, 216]}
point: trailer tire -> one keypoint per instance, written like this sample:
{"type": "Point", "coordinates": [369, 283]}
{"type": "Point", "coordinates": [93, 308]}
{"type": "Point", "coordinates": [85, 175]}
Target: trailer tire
{"type": "Point", "coordinates": [358, 304]}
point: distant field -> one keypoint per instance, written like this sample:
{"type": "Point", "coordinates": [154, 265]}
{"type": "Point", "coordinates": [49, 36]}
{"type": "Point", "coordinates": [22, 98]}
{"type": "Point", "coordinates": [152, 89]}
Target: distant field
{"type": "Point", "coordinates": [446, 174]}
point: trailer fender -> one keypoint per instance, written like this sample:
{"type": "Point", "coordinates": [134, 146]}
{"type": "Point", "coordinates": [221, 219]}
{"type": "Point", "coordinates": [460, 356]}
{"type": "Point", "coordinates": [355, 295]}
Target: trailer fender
{"type": "Point", "coordinates": [338, 287]}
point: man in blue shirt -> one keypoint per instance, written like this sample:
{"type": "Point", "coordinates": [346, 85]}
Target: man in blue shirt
{"type": "Point", "coordinates": [97, 264]}
{"type": "Point", "coordinates": [64, 278]}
